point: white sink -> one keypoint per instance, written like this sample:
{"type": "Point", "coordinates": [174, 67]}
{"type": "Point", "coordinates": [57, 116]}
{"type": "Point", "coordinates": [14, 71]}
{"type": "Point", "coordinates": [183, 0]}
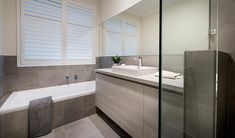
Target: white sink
{"type": "Point", "coordinates": [134, 70]}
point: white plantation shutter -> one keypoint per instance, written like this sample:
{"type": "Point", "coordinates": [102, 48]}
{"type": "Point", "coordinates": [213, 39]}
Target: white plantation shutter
{"type": "Point", "coordinates": [42, 30]}
{"type": "Point", "coordinates": [120, 37]}
{"type": "Point", "coordinates": [113, 44]}
{"type": "Point", "coordinates": [53, 33]}
{"type": "Point", "coordinates": [130, 38]}
{"type": "Point", "coordinates": [80, 32]}
{"type": "Point", "coordinates": [113, 37]}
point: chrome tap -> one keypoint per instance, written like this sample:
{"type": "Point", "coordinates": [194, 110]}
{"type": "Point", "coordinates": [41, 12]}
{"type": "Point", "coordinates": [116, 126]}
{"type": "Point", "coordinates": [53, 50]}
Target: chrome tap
{"type": "Point", "coordinates": [140, 62]}
{"type": "Point", "coordinates": [67, 79]}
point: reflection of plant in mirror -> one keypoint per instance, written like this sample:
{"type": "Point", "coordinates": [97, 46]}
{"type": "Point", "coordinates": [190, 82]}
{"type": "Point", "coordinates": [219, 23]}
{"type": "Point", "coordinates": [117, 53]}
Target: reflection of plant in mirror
{"type": "Point", "coordinates": [116, 59]}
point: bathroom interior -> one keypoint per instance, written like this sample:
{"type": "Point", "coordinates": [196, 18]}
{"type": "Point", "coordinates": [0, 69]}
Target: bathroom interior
{"type": "Point", "coordinates": [117, 68]}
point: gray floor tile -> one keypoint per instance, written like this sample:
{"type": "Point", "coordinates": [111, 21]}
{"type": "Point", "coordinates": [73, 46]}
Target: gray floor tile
{"type": "Point", "coordinates": [83, 128]}
{"type": "Point", "coordinates": [56, 133]}
{"type": "Point", "coordinates": [109, 133]}
{"type": "Point", "coordinates": [98, 122]}
{"type": "Point", "coordinates": [89, 127]}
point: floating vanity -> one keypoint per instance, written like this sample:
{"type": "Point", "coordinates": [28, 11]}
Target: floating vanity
{"type": "Point", "coordinates": [130, 100]}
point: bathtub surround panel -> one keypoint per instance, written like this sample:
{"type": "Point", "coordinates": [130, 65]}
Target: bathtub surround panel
{"type": "Point", "coordinates": [89, 103]}
{"type": "Point", "coordinates": [173, 63]}
{"type": "Point", "coordinates": [2, 61]}
{"type": "Point", "coordinates": [58, 114]}
{"type": "Point", "coordinates": [58, 93]}
{"type": "Point", "coordinates": [71, 108]}
{"type": "Point", "coordinates": [24, 78]}
{"type": "Point", "coordinates": [16, 123]}
{"type": "Point", "coordinates": [201, 106]}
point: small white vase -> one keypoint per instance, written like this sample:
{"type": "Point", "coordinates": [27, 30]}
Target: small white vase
{"type": "Point", "coordinates": [115, 64]}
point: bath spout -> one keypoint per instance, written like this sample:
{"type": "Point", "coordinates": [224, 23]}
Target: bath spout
{"type": "Point", "coordinates": [67, 80]}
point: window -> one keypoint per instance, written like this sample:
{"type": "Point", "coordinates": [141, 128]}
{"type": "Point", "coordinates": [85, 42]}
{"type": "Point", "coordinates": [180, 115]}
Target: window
{"type": "Point", "coordinates": [56, 32]}
{"type": "Point", "coordinates": [121, 36]}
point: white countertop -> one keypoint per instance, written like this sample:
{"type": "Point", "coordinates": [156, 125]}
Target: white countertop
{"type": "Point", "coordinates": [168, 84]}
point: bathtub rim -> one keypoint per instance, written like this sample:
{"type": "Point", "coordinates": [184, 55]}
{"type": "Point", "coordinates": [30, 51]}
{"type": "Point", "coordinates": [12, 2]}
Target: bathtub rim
{"type": "Point", "coordinates": [55, 100]}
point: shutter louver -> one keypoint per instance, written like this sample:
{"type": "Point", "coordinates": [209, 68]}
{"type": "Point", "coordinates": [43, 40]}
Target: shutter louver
{"type": "Point", "coordinates": [55, 32]}
{"type": "Point", "coordinates": [113, 37]}
{"type": "Point", "coordinates": [42, 30]}
{"type": "Point", "coordinates": [130, 39]}
{"type": "Point", "coordinates": [80, 32]}
{"type": "Point", "coordinates": [120, 37]}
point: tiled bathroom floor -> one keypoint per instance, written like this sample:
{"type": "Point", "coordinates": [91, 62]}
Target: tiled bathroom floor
{"type": "Point", "coordinates": [89, 127]}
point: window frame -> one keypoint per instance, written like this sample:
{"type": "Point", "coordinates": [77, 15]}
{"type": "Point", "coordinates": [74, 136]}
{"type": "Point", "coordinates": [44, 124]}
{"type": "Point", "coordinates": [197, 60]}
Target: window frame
{"type": "Point", "coordinates": [21, 62]}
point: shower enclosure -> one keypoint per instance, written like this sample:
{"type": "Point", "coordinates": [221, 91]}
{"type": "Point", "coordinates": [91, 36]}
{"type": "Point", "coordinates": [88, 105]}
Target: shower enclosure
{"type": "Point", "coordinates": [196, 106]}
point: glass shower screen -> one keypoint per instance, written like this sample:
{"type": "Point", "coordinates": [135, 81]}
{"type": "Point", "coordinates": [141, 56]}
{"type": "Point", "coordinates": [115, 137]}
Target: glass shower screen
{"type": "Point", "coordinates": [188, 81]}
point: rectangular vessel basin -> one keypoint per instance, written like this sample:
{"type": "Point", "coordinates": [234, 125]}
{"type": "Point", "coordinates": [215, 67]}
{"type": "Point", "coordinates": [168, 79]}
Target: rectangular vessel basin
{"type": "Point", "coordinates": [134, 70]}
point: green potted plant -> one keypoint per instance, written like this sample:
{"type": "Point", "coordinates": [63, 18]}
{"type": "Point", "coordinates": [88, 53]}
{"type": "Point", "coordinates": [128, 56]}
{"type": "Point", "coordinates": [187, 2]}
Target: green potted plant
{"type": "Point", "coordinates": [116, 60]}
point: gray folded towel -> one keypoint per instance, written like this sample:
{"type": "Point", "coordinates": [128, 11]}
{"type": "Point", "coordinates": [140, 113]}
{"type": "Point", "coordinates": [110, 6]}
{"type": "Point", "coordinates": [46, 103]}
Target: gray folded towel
{"type": "Point", "coordinates": [40, 117]}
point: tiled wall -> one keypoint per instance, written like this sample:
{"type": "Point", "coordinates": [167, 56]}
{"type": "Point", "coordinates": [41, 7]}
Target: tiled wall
{"type": "Point", "coordinates": [1, 76]}
{"type": "Point", "coordinates": [13, 78]}
{"type": "Point", "coordinates": [170, 62]}
{"type": "Point", "coordinates": [232, 99]}
{"type": "Point", "coordinates": [223, 91]}
{"type": "Point", "coordinates": [200, 84]}
{"type": "Point", "coordinates": [36, 77]}
{"type": "Point", "coordinates": [226, 43]}
{"type": "Point", "coordinates": [199, 94]}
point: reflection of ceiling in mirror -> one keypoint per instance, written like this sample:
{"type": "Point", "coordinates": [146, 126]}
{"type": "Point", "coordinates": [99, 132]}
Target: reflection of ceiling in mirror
{"type": "Point", "coordinates": [146, 7]}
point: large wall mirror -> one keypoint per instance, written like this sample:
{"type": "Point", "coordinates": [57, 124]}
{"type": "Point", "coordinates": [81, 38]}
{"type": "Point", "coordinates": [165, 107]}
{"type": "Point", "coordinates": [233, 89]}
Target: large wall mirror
{"type": "Point", "coordinates": [135, 31]}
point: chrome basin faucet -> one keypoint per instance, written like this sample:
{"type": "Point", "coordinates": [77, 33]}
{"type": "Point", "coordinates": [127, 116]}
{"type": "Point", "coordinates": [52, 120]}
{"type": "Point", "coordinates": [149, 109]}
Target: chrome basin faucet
{"type": "Point", "coordinates": [140, 62]}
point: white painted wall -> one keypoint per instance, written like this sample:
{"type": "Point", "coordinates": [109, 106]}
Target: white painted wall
{"type": "Point", "coordinates": [150, 34]}
{"type": "Point", "coordinates": [8, 19]}
{"type": "Point", "coordinates": [189, 19]}
{"type": "Point", "coordinates": [111, 8]}
{"type": "Point", "coordinates": [185, 26]}
{"type": "Point", "coordinates": [8, 25]}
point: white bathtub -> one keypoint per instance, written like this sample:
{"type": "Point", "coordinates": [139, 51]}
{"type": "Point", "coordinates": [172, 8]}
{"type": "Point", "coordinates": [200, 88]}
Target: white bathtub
{"type": "Point", "coordinates": [19, 100]}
